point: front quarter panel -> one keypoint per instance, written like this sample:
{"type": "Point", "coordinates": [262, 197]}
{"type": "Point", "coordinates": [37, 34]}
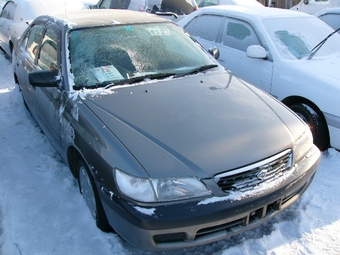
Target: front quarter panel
{"type": "Point", "coordinates": [96, 144]}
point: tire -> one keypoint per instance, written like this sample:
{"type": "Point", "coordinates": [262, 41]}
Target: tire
{"type": "Point", "coordinates": [88, 190]}
{"type": "Point", "coordinates": [316, 123]}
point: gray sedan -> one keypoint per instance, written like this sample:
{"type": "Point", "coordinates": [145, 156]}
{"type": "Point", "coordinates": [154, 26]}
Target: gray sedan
{"type": "Point", "coordinates": [170, 149]}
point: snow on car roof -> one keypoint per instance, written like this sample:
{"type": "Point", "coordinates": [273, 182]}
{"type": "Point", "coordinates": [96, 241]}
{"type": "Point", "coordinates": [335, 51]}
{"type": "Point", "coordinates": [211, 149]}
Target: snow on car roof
{"type": "Point", "coordinates": [259, 11]}
{"type": "Point", "coordinates": [97, 17]}
{"type": "Point", "coordinates": [333, 10]}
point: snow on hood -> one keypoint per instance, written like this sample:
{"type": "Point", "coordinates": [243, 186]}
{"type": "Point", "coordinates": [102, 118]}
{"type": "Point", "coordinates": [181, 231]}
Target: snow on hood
{"type": "Point", "coordinates": [325, 66]}
{"type": "Point", "coordinates": [197, 126]}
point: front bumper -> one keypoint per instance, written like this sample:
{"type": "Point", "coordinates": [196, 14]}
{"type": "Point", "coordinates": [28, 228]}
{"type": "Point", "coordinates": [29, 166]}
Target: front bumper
{"type": "Point", "coordinates": [193, 223]}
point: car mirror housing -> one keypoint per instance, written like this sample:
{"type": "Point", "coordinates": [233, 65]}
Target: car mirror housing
{"type": "Point", "coordinates": [256, 51]}
{"type": "Point", "coordinates": [215, 52]}
{"type": "Point", "coordinates": [43, 78]}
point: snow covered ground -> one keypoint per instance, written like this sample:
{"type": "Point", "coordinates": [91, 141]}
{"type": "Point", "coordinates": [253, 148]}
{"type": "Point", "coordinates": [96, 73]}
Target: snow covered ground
{"type": "Point", "coordinates": [42, 212]}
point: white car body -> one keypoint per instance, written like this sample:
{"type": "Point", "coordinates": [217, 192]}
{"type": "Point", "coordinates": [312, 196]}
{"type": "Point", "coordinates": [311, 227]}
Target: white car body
{"type": "Point", "coordinates": [268, 64]}
{"type": "Point", "coordinates": [203, 3]}
{"type": "Point", "coordinates": [313, 6]}
{"type": "Point", "coordinates": [16, 15]}
{"type": "Point", "coordinates": [330, 16]}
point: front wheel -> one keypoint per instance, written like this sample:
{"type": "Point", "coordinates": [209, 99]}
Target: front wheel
{"type": "Point", "coordinates": [91, 197]}
{"type": "Point", "coordinates": [316, 124]}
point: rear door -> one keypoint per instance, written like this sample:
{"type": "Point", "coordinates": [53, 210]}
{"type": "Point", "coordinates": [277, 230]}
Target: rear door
{"type": "Point", "coordinates": [207, 29]}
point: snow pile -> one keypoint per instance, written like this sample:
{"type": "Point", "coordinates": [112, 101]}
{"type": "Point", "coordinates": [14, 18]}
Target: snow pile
{"type": "Point", "coordinates": [42, 211]}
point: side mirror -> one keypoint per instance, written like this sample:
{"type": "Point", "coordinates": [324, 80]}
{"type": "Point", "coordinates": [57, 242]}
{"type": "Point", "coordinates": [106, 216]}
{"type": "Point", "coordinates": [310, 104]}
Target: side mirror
{"type": "Point", "coordinates": [43, 78]}
{"type": "Point", "coordinates": [215, 52]}
{"type": "Point", "coordinates": [256, 51]}
{"type": "Point", "coordinates": [305, 1]}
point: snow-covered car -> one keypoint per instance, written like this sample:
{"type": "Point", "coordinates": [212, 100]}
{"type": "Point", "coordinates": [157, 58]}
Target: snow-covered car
{"type": "Point", "coordinates": [204, 3]}
{"type": "Point", "coordinates": [17, 14]}
{"type": "Point", "coordinates": [313, 6]}
{"type": "Point", "coordinates": [169, 148]}
{"type": "Point", "coordinates": [286, 53]}
{"type": "Point", "coordinates": [330, 16]}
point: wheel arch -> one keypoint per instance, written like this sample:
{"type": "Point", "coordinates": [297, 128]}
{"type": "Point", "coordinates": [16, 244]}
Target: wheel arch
{"type": "Point", "coordinates": [289, 101]}
{"type": "Point", "coordinates": [15, 77]}
{"type": "Point", "coordinates": [11, 46]}
{"type": "Point", "coordinates": [73, 156]}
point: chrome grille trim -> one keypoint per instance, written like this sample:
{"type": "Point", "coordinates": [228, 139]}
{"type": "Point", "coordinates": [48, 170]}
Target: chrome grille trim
{"type": "Point", "coordinates": [248, 177]}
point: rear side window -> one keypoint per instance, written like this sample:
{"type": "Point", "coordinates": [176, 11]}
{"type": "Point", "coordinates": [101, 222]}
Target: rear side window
{"type": "Point", "coordinates": [208, 3]}
{"type": "Point", "coordinates": [8, 11]}
{"type": "Point", "coordinates": [105, 4]}
{"type": "Point", "coordinates": [114, 4]}
{"type": "Point", "coordinates": [239, 35]}
{"type": "Point", "coordinates": [331, 19]}
{"type": "Point", "coordinates": [207, 27]}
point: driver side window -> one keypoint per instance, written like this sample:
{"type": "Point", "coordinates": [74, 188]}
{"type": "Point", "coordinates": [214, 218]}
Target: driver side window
{"type": "Point", "coordinates": [48, 55]}
{"type": "Point", "coordinates": [32, 41]}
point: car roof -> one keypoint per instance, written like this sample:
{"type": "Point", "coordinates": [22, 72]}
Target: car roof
{"type": "Point", "coordinates": [333, 10]}
{"type": "Point", "coordinates": [241, 2]}
{"type": "Point", "coordinates": [100, 17]}
{"type": "Point", "coordinates": [259, 11]}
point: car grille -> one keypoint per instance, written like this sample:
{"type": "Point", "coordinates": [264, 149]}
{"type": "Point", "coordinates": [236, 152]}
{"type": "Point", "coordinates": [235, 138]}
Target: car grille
{"type": "Point", "coordinates": [249, 177]}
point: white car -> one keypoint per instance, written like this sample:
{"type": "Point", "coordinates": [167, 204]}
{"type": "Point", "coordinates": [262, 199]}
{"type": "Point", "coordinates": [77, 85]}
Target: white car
{"type": "Point", "coordinates": [283, 52]}
{"type": "Point", "coordinates": [16, 15]}
{"type": "Point", "coordinates": [204, 3]}
{"type": "Point", "coordinates": [331, 16]}
{"type": "Point", "coordinates": [313, 6]}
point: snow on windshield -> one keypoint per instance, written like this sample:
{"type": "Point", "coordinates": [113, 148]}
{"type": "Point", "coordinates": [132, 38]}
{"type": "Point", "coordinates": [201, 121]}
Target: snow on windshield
{"type": "Point", "coordinates": [294, 38]}
{"type": "Point", "coordinates": [103, 55]}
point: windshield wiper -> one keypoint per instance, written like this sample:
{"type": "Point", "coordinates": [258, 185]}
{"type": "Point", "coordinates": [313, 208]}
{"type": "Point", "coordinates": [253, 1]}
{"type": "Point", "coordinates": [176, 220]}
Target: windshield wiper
{"type": "Point", "coordinates": [197, 70]}
{"type": "Point", "coordinates": [319, 45]}
{"type": "Point", "coordinates": [140, 78]}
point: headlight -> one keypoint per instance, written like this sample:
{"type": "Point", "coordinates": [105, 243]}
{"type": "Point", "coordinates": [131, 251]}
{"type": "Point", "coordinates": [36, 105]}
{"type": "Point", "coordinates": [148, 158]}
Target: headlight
{"type": "Point", "coordinates": [303, 144]}
{"type": "Point", "coordinates": [159, 190]}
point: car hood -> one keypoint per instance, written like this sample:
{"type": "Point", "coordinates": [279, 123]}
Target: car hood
{"type": "Point", "coordinates": [325, 67]}
{"type": "Point", "coordinates": [193, 126]}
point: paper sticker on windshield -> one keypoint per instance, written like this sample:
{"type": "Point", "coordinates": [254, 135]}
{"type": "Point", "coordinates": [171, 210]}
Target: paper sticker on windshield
{"type": "Point", "coordinates": [157, 30]}
{"type": "Point", "coordinates": [107, 73]}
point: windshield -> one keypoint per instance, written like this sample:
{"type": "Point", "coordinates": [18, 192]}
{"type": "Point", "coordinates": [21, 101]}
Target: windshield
{"type": "Point", "coordinates": [294, 38]}
{"type": "Point", "coordinates": [101, 56]}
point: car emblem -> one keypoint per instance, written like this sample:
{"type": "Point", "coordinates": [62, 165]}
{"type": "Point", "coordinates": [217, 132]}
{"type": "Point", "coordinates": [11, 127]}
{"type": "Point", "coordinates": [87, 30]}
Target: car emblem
{"type": "Point", "coordinates": [262, 174]}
